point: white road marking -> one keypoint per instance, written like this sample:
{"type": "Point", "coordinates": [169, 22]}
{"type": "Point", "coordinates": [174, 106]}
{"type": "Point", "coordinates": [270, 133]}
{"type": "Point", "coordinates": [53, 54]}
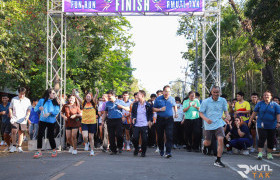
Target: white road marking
{"type": "Point", "coordinates": [57, 176]}
{"type": "Point", "coordinates": [79, 163]}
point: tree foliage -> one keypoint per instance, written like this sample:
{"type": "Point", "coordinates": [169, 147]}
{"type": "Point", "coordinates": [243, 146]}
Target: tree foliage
{"type": "Point", "coordinates": [252, 58]}
{"type": "Point", "coordinates": [98, 49]}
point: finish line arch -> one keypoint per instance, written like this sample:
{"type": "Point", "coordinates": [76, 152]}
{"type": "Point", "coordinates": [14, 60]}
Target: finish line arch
{"type": "Point", "coordinates": [59, 10]}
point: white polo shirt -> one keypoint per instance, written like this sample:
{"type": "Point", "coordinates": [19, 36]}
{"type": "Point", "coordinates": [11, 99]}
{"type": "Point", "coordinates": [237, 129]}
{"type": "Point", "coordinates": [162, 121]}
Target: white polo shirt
{"type": "Point", "coordinates": [20, 108]}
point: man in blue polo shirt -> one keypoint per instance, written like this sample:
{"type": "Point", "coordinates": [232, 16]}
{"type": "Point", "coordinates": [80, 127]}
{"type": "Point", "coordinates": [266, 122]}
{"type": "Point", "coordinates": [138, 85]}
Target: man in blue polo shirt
{"type": "Point", "coordinates": [113, 110]}
{"type": "Point", "coordinates": [164, 106]}
{"type": "Point", "coordinates": [211, 111]}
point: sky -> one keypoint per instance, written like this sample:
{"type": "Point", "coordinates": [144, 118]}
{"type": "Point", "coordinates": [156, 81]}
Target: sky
{"type": "Point", "coordinates": [157, 53]}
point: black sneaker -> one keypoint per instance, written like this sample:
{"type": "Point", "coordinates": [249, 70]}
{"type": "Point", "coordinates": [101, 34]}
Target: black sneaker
{"type": "Point", "coordinates": [113, 153]}
{"type": "Point", "coordinates": [143, 154]}
{"type": "Point", "coordinates": [205, 150]}
{"type": "Point", "coordinates": [161, 153]}
{"type": "Point", "coordinates": [135, 153]}
{"type": "Point", "coordinates": [120, 151]}
{"type": "Point", "coordinates": [219, 164]}
{"type": "Point", "coordinates": [168, 156]}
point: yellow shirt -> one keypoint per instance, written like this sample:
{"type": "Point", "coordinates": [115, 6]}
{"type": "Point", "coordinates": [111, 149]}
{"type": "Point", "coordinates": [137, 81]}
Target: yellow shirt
{"type": "Point", "coordinates": [245, 106]}
{"type": "Point", "coordinates": [89, 114]}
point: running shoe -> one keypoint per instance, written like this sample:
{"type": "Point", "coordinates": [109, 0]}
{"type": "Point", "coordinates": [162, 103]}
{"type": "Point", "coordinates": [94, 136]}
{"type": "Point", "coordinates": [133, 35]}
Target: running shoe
{"type": "Point", "coordinates": [245, 152]}
{"type": "Point", "coordinates": [13, 149]}
{"type": "Point", "coordinates": [269, 156]}
{"type": "Point", "coordinates": [161, 153]}
{"type": "Point", "coordinates": [128, 147]}
{"type": "Point", "coordinates": [168, 156]}
{"type": "Point", "coordinates": [70, 149]}
{"type": "Point", "coordinates": [20, 149]}
{"type": "Point", "coordinates": [54, 153]}
{"type": "Point", "coordinates": [135, 153]}
{"type": "Point", "coordinates": [157, 150]}
{"type": "Point", "coordinates": [74, 152]}
{"type": "Point", "coordinates": [91, 153]}
{"type": "Point", "coordinates": [120, 151]}
{"type": "Point", "coordinates": [219, 164]}
{"type": "Point", "coordinates": [113, 153]}
{"type": "Point", "coordinates": [2, 143]}
{"type": "Point", "coordinates": [260, 155]}
{"type": "Point", "coordinates": [86, 146]}
{"type": "Point", "coordinates": [37, 155]}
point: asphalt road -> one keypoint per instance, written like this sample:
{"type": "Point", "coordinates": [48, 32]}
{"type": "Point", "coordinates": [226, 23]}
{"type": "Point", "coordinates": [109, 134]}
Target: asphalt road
{"type": "Point", "coordinates": [183, 165]}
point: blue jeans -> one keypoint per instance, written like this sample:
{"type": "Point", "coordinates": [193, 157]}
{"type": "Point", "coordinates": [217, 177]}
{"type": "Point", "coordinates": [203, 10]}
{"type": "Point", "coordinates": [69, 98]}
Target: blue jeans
{"type": "Point", "coordinates": [33, 131]}
{"type": "Point", "coordinates": [241, 143]}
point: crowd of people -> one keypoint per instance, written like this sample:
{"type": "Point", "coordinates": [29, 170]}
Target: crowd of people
{"type": "Point", "coordinates": [118, 123]}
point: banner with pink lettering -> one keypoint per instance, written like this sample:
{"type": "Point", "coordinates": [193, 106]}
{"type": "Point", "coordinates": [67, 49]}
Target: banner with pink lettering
{"type": "Point", "coordinates": [132, 6]}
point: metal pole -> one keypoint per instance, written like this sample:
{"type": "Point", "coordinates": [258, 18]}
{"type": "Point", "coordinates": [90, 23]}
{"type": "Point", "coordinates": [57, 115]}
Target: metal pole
{"type": "Point", "coordinates": [196, 58]}
{"type": "Point", "coordinates": [203, 57]}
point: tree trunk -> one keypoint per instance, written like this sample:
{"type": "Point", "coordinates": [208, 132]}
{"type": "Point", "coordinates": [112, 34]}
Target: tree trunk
{"type": "Point", "coordinates": [233, 76]}
{"type": "Point", "coordinates": [267, 72]}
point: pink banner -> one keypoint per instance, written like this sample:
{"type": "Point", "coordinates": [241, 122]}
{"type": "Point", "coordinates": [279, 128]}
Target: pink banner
{"type": "Point", "coordinates": [131, 6]}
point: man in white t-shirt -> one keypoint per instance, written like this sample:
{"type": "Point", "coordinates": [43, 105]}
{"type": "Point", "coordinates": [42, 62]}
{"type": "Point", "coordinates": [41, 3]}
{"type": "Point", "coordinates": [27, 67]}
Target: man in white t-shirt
{"type": "Point", "coordinates": [19, 110]}
{"type": "Point", "coordinates": [126, 120]}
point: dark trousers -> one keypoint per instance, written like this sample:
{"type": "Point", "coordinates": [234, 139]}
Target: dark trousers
{"type": "Point", "coordinates": [115, 131]}
{"type": "Point", "coordinates": [192, 130]}
{"type": "Point", "coordinates": [50, 134]}
{"type": "Point", "coordinates": [266, 134]}
{"type": "Point", "coordinates": [241, 143]}
{"type": "Point", "coordinates": [165, 125]}
{"type": "Point", "coordinates": [178, 133]}
{"type": "Point", "coordinates": [152, 135]}
{"type": "Point", "coordinates": [144, 136]}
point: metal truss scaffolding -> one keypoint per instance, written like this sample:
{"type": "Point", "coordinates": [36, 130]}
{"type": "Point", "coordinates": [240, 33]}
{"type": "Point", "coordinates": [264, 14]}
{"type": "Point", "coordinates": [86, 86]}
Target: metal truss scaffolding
{"type": "Point", "coordinates": [56, 46]}
{"type": "Point", "coordinates": [211, 46]}
{"type": "Point", "coordinates": [56, 56]}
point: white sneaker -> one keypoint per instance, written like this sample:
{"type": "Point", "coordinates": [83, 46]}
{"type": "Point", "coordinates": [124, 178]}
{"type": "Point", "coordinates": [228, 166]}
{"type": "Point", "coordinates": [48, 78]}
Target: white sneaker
{"type": "Point", "coordinates": [2, 143]}
{"type": "Point", "coordinates": [252, 150]}
{"type": "Point", "coordinates": [245, 152]}
{"type": "Point", "coordinates": [74, 152]}
{"type": "Point", "coordinates": [86, 146]}
{"type": "Point", "coordinates": [157, 150]}
{"type": "Point", "coordinates": [71, 149]}
{"type": "Point", "coordinates": [5, 144]}
{"type": "Point", "coordinates": [13, 149]}
{"type": "Point", "coordinates": [20, 149]}
{"type": "Point", "coordinates": [128, 147]}
{"type": "Point", "coordinates": [91, 153]}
